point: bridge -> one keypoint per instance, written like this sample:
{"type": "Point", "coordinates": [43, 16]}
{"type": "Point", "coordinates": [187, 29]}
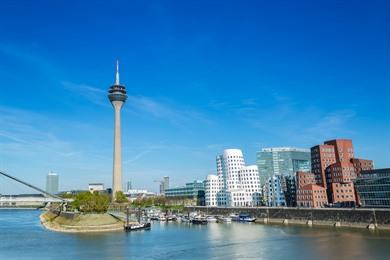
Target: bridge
{"type": "Point", "coordinates": [28, 200]}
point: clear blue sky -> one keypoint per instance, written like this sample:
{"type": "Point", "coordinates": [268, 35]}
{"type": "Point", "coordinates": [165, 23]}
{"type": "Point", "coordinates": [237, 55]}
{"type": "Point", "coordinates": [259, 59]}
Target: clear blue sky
{"type": "Point", "coordinates": [202, 76]}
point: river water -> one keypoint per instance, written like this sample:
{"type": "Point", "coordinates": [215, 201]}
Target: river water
{"type": "Point", "coordinates": [23, 237]}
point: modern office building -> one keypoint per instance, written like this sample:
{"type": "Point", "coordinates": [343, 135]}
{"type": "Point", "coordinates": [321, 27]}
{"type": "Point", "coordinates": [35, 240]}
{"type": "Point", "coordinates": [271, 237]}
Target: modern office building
{"type": "Point", "coordinates": [373, 188]}
{"type": "Point", "coordinates": [164, 185]}
{"type": "Point", "coordinates": [235, 184]}
{"type": "Point", "coordinates": [192, 193]}
{"type": "Point", "coordinates": [273, 192]}
{"type": "Point", "coordinates": [52, 183]}
{"type": "Point", "coordinates": [117, 96]}
{"type": "Point", "coordinates": [282, 161]}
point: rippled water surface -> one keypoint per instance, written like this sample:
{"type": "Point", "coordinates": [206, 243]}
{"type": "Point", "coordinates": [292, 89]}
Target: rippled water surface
{"type": "Point", "coordinates": [23, 237]}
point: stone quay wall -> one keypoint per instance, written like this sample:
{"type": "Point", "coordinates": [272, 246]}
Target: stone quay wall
{"type": "Point", "coordinates": [339, 217]}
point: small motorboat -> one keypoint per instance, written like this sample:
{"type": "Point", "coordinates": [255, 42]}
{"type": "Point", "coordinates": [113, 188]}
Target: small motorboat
{"type": "Point", "coordinates": [211, 219]}
{"type": "Point", "coordinates": [199, 221]}
{"type": "Point", "coordinates": [135, 227]}
{"type": "Point", "coordinates": [235, 217]}
{"type": "Point", "coordinates": [171, 218]}
{"type": "Point", "coordinates": [246, 218]}
{"type": "Point", "coordinates": [185, 219]}
{"type": "Point", "coordinates": [224, 220]}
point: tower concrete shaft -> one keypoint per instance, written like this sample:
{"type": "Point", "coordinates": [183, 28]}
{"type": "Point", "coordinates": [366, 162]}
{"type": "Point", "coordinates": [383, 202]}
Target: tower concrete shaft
{"type": "Point", "coordinates": [117, 166]}
{"type": "Point", "coordinates": [117, 96]}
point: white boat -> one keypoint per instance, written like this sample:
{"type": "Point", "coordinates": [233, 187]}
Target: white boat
{"type": "Point", "coordinates": [199, 221]}
{"type": "Point", "coordinates": [225, 220]}
{"type": "Point", "coordinates": [211, 219]}
{"type": "Point", "coordinates": [235, 217]}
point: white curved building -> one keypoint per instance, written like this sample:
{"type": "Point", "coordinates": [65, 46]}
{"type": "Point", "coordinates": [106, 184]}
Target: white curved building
{"type": "Point", "coordinates": [235, 184]}
{"type": "Point", "coordinates": [211, 190]}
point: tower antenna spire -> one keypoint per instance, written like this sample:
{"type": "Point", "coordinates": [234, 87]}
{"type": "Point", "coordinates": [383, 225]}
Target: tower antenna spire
{"type": "Point", "coordinates": [117, 73]}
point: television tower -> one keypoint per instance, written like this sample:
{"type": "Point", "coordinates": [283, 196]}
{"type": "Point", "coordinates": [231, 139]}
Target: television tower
{"type": "Point", "coordinates": [117, 96]}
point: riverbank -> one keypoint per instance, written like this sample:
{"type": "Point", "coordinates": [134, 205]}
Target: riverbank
{"type": "Point", "coordinates": [80, 223]}
{"type": "Point", "coordinates": [374, 219]}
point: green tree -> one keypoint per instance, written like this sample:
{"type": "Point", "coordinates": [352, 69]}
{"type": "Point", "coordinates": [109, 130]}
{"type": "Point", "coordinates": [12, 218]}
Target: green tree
{"type": "Point", "coordinates": [120, 197]}
{"type": "Point", "coordinates": [91, 202]}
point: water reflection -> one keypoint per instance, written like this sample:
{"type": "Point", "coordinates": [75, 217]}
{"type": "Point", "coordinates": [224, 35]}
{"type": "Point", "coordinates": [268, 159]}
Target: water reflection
{"type": "Point", "coordinates": [21, 235]}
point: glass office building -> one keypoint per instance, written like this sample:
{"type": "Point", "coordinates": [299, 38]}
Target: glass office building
{"type": "Point", "coordinates": [282, 161]}
{"type": "Point", "coordinates": [373, 188]}
{"type": "Point", "coordinates": [192, 191]}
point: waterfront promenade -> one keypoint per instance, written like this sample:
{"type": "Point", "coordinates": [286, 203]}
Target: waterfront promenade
{"type": "Point", "coordinates": [338, 217]}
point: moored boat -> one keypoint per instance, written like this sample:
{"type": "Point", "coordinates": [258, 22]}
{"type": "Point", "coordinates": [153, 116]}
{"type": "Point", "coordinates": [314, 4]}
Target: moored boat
{"type": "Point", "coordinates": [199, 221]}
{"type": "Point", "coordinates": [211, 219]}
{"type": "Point", "coordinates": [246, 218]}
{"type": "Point", "coordinates": [171, 218]}
{"type": "Point", "coordinates": [224, 220]}
{"type": "Point", "coordinates": [134, 227]}
{"type": "Point", "coordinates": [235, 217]}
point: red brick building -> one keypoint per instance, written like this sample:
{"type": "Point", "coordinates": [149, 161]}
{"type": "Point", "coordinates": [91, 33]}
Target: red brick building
{"type": "Point", "coordinates": [321, 157]}
{"type": "Point", "coordinates": [362, 165]}
{"type": "Point", "coordinates": [340, 172]}
{"type": "Point", "coordinates": [343, 192]}
{"type": "Point", "coordinates": [335, 169]}
{"type": "Point", "coordinates": [343, 149]}
{"type": "Point", "coordinates": [312, 196]}
{"type": "Point", "coordinates": [305, 178]}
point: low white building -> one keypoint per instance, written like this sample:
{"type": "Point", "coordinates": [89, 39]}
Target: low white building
{"type": "Point", "coordinates": [92, 187]}
{"type": "Point", "coordinates": [138, 194]}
